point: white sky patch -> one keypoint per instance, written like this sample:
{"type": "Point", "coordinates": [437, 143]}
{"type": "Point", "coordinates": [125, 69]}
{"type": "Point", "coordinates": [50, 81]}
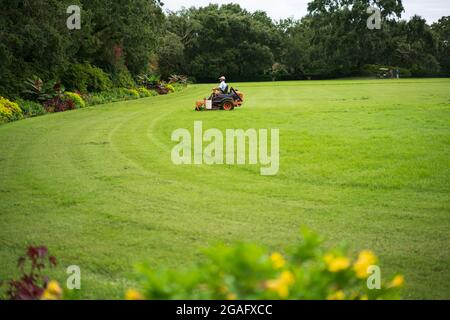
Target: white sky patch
{"type": "Point", "coordinates": [431, 10]}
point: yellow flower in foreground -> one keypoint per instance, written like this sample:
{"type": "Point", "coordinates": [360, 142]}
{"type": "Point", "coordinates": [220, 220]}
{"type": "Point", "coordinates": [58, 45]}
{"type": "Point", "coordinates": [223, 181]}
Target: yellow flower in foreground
{"type": "Point", "coordinates": [133, 295]}
{"type": "Point", "coordinates": [364, 297]}
{"type": "Point", "coordinates": [53, 287]}
{"type": "Point", "coordinates": [277, 260]}
{"type": "Point", "coordinates": [339, 295]}
{"type": "Point", "coordinates": [52, 292]}
{"type": "Point", "coordinates": [231, 296]}
{"type": "Point", "coordinates": [281, 285]}
{"type": "Point", "coordinates": [287, 277]}
{"type": "Point", "coordinates": [223, 289]}
{"type": "Point", "coordinates": [366, 259]}
{"type": "Point", "coordinates": [336, 263]}
{"type": "Point", "coordinates": [398, 281]}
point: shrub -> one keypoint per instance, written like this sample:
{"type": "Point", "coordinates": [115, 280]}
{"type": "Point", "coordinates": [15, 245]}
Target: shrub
{"type": "Point", "coordinates": [59, 103]}
{"type": "Point", "coordinates": [178, 87]}
{"type": "Point", "coordinates": [144, 92]}
{"type": "Point", "coordinates": [123, 79]}
{"type": "Point", "coordinates": [31, 108]}
{"type": "Point", "coordinates": [180, 79]}
{"type": "Point", "coordinates": [251, 272]}
{"type": "Point", "coordinates": [170, 88]}
{"type": "Point", "coordinates": [38, 90]}
{"type": "Point", "coordinates": [76, 98]}
{"type": "Point", "coordinates": [32, 284]}
{"type": "Point", "coordinates": [98, 80]}
{"type": "Point", "coordinates": [132, 93]}
{"type": "Point", "coordinates": [101, 98]}
{"type": "Point", "coordinates": [162, 89]}
{"type": "Point", "coordinates": [150, 81]}
{"type": "Point", "coordinates": [86, 78]}
{"type": "Point", "coordinates": [405, 73]}
{"type": "Point", "coordinates": [9, 111]}
{"type": "Point", "coordinates": [117, 94]}
{"type": "Point", "coordinates": [95, 99]}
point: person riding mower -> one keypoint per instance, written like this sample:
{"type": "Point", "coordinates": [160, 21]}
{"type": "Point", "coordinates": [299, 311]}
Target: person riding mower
{"type": "Point", "coordinates": [221, 98]}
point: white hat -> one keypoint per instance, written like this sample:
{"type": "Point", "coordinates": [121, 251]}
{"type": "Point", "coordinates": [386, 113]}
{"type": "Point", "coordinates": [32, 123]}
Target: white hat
{"type": "Point", "coordinates": [222, 78]}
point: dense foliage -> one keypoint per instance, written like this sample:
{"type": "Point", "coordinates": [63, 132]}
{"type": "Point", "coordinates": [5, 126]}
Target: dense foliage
{"type": "Point", "coordinates": [114, 36]}
{"type": "Point", "coordinates": [333, 40]}
{"type": "Point", "coordinates": [31, 108]}
{"type": "Point", "coordinates": [121, 40]}
{"type": "Point", "coordinates": [9, 111]}
{"type": "Point", "coordinates": [215, 40]}
{"type": "Point", "coordinates": [86, 78]}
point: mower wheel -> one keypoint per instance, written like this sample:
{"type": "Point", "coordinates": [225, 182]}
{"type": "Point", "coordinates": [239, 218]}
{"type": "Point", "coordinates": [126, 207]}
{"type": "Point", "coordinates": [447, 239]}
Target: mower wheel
{"type": "Point", "coordinates": [228, 105]}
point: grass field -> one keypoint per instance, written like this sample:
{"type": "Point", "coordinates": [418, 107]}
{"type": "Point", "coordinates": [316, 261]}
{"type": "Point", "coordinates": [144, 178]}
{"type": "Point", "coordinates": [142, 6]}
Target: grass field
{"type": "Point", "coordinates": [364, 162]}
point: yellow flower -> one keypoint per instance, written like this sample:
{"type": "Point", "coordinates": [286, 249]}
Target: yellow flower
{"type": "Point", "coordinates": [338, 295]}
{"type": "Point", "coordinates": [133, 295]}
{"type": "Point", "coordinates": [277, 260]}
{"type": "Point", "coordinates": [281, 285]}
{"type": "Point", "coordinates": [366, 259]}
{"type": "Point", "coordinates": [231, 296]}
{"type": "Point", "coordinates": [364, 297]}
{"type": "Point", "coordinates": [280, 288]}
{"type": "Point", "coordinates": [53, 287]}
{"type": "Point", "coordinates": [336, 263]}
{"type": "Point", "coordinates": [52, 292]}
{"type": "Point", "coordinates": [287, 277]}
{"type": "Point", "coordinates": [398, 281]}
{"type": "Point", "coordinates": [48, 296]}
{"type": "Point", "coordinates": [223, 289]}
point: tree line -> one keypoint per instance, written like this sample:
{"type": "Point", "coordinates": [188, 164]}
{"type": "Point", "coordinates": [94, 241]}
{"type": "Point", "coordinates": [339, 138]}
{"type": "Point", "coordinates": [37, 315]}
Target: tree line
{"type": "Point", "coordinates": [129, 38]}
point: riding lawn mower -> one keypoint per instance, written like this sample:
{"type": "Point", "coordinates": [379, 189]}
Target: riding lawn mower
{"type": "Point", "coordinates": [221, 101]}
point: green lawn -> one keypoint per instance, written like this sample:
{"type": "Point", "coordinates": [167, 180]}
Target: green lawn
{"type": "Point", "coordinates": [364, 162]}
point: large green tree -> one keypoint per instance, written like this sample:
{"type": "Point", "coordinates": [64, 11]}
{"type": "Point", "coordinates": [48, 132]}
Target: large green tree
{"type": "Point", "coordinates": [416, 47]}
{"type": "Point", "coordinates": [441, 30]}
{"type": "Point", "coordinates": [34, 39]}
{"type": "Point", "coordinates": [124, 32]}
{"type": "Point", "coordinates": [338, 39]}
{"type": "Point", "coordinates": [114, 35]}
{"type": "Point", "coordinates": [226, 40]}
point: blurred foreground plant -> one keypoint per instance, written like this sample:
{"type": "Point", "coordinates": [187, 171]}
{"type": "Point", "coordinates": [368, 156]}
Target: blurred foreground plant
{"type": "Point", "coordinates": [32, 284]}
{"type": "Point", "coordinates": [248, 271]}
